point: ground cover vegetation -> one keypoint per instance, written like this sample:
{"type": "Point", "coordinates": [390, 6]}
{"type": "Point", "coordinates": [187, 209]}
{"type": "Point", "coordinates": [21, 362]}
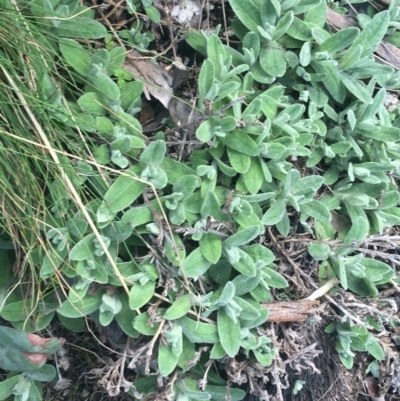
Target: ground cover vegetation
{"type": "Point", "coordinates": [176, 232]}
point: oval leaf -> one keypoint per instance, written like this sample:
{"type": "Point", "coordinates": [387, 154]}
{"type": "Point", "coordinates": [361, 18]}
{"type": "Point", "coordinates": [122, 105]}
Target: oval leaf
{"type": "Point", "coordinates": [195, 264]}
{"type": "Point", "coordinates": [229, 333]}
{"type": "Point", "coordinates": [140, 294]}
{"type": "Point", "coordinates": [211, 247]}
{"type": "Point", "coordinates": [167, 361]}
{"type": "Point", "coordinates": [179, 308]}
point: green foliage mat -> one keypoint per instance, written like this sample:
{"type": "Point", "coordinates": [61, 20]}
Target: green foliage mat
{"type": "Point", "coordinates": [292, 182]}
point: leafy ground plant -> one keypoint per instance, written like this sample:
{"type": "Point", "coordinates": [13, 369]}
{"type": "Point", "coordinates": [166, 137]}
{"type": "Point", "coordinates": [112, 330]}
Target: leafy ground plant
{"type": "Point", "coordinates": [26, 353]}
{"type": "Point", "coordinates": [172, 254]}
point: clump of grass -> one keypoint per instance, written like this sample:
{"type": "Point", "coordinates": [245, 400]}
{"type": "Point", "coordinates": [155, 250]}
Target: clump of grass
{"type": "Point", "coordinates": [36, 131]}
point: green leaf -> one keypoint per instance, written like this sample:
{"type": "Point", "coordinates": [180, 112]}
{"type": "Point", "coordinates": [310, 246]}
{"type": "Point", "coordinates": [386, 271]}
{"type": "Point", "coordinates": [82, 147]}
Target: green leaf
{"type": "Point", "coordinates": [144, 325]}
{"type": "Point", "coordinates": [195, 264]}
{"type": "Point", "coordinates": [374, 269]}
{"type": "Point", "coordinates": [17, 311]}
{"type": "Point", "coordinates": [239, 161]}
{"type": "Point", "coordinates": [242, 237]}
{"type": "Point", "coordinates": [186, 185]}
{"type": "Point", "coordinates": [283, 25]}
{"type": "Point", "coordinates": [75, 55]}
{"type": "Point", "coordinates": [206, 82]}
{"type": "Point", "coordinates": [217, 351]}
{"type": "Point", "coordinates": [227, 294]}
{"type": "Point", "coordinates": [82, 307]}
{"type": "Point", "coordinates": [249, 312]}
{"type": "Point", "coordinates": [306, 5]}
{"type": "Point", "coordinates": [211, 247]}
{"type": "Point", "coordinates": [187, 355]}
{"type": "Point", "coordinates": [254, 176]}
{"type": "Point", "coordinates": [274, 279]}
{"type": "Point", "coordinates": [241, 142]}
{"type": "Point", "coordinates": [384, 134]}
{"type": "Point", "coordinates": [319, 251]}
{"type": "Point", "coordinates": [272, 59]}
{"type": "Point", "coordinates": [154, 154]}
{"type": "Point", "coordinates": [251, 324]}
{"type": "Point", "coordinates": [317, 15]}
{"type": "Point", "coordinates": [389, 199]}
{"type": "Point", "coordinates": [374, 348]}
{"type": "Point", "coordinates": [248, 12]}
{"type": "Point", "coordinates": [261, 294]}
{"type": "Point", "coordinates": [73, 324]}
{"type": "Point", "coordinates": [347, 360]}
{"type": "Point", "coordinates": [251, 41]}
{"type": "Point", "coordinates": [339, 40]}
{"type": "Point", "coordinates": [291, 179]}
{"type": "Point", "coordinates": [51, 262]}
{"type": "Point", "coordinates": [153, 14]}
{"type": "Point", "coordinates": [358, 231]}
{"type": "Point", "coordinates": [342, 274]}
{"type": "Point", "coordinates": [167, 361]}
{"type": "Point", "coordinates": [179, 308]}
{"type": "Point", "coordinates": [125, 318]}
{"type": "Point", "coordinates": [317, 210]}
{"type": "Point", "coordinates": [7, 386]}
{"type": "Point", "coordinates": [84, 249]}
{"type": "Point", "coordinates": [245, 265]}
{"type": "Point", "coordinates": [215, 49]}
{"type": "Point", "coordinates": [106, 86]}
{"type": "Point", "coordinates": [205, 132]}
{"type": "Point", "coordinates": [117, 58]}
{"type": "Point", "coordinates": [210, 206]}
{"type": "Point", "coordinates": [308, 184]}
{"type": "Point", "coordinates": [372, 35]}
{"type": "Point", "coordinates": [332, 80]}
{"type": "Point", "coordinates": [140, 294]}
{"type": "Point", "coordinates": [122, 193]}
{"type": "Point", "coordinates": [275, 213]}
{"type": "Point", "coordinates": [171, 249]}
{"type": "Point", "coordinates": [356, 88]}
{"type": "Point", "coordinates": [299, 30]}
{"type": "Point", "coordinates": [263, 358]}
{"type": "Point", "coordinates": [196, 40]}
{"type": "Point", "coordinates": [137, 216]}
{"type": "Point", "coordinates": [45, 374]}
{"type": "Point", "coordinates": [350, 57]}
{"type": "Point", "coordinates": [198, 332]}
{"type": "Point", "coordinates": [229, 333]}
{"type": "Point", "coordinates": [175, 169]}
{"type": "Point", "coordinates": [222, 393]}
{"type": "Point", "coordinates": [80, 27]}
{"type": "Point", "coordinates": [260, 252]}
{"type": "Point", "coordinates": [244, 284]}
{"type": "Point", "coordinates": [225, 169]}
{"type": "Point", "coordinates": [91, 103]}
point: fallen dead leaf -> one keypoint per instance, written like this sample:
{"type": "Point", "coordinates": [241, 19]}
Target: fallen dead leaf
{"type": "Point", "coordinates": [157, 81]}
{"type": "Point", "coordinates": [182, 112]}
{"type": "Point", "coordinates": [388, 52]}
{"type": "Point", "coordinates": [373, 389]}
